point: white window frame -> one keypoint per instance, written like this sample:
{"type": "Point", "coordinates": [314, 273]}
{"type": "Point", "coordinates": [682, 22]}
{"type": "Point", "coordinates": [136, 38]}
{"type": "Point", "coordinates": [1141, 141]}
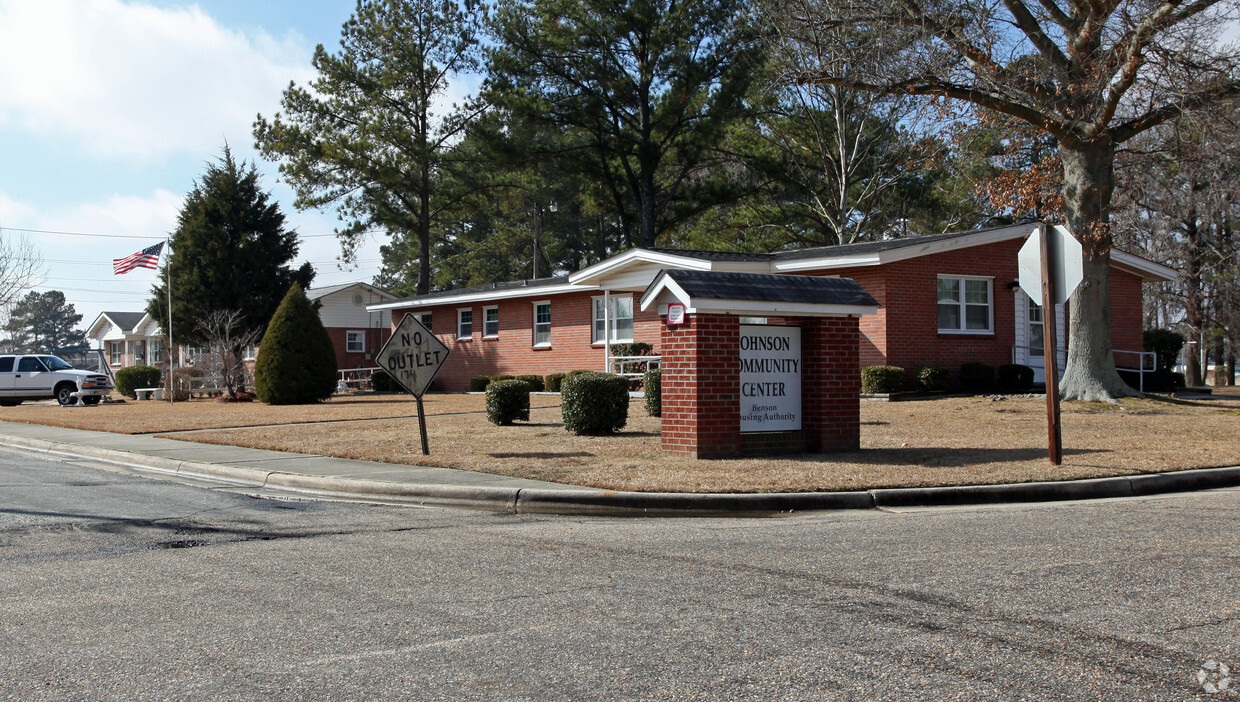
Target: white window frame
{"type": "Point", "coordinates": [964, 305]}
{"type": "Point", "coordinates": [350, 339]}
{"type": "Point", "coordinates": [155, 352]}
{"type": "Point", "coordinates": [460, 323]}
{"type": "Point", "coordinates": [249, 353]}
{"type": "Point", "coordinates": [116, 352]}
{"type": "Point", "coordinates": [425, 318]}
{"type": "Point", "coordinates": [595, 320]}
{"type": "Point", "coordinates": [534, 339]}
{"type": "Point", "coordinates": [488, 333]}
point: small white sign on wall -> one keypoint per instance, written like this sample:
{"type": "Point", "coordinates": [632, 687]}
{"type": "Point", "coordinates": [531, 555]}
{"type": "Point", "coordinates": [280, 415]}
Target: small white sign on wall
{"type": "Point", "coordinates": [770, 375]}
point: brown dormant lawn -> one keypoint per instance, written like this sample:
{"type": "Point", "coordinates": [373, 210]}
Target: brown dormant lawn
{"type": "Point", "coordinates": [946, 441]}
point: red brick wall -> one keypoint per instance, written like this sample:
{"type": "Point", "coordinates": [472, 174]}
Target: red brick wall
{"type": "Point", "coordinates": [701, 389]}
{"type": "Point", "coordinates": [1126, 320]}
{"type": "Point", "coordinates": [513, 351]}
{"type": "Point", "coordinates": [375, 339]}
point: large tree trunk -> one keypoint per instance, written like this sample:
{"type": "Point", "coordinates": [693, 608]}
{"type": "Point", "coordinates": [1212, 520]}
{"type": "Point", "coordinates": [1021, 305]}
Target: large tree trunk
{"type": "Point", "coordinates": [1089, 177]}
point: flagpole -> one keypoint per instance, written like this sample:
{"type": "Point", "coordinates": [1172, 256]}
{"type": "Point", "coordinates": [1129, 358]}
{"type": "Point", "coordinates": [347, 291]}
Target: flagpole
{"type": "Point", "coordinates": [172, 358]}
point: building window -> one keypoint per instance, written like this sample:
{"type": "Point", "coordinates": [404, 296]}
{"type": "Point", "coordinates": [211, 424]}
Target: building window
{"type": "Point", "coordinates": [425, 319]}
{"type": "Point", "coordinates": [464, 323]}
{"type": "Point", "coordinates": [116, 352]}
{"type": "Point", "coordinates": [542, 323]}
{"type": "Point", "coordinates": [249, 353]}
{"type": "Point", "coordinates": [490, 322]}
{"type": "Point", "coordinates": [965, 305]}
{"type": "Point", "coordinates": [621, 321]}
{"type": "Point", "coordinates": [355, 342]}
{"type": "Point", "coordinates": [155, 351]}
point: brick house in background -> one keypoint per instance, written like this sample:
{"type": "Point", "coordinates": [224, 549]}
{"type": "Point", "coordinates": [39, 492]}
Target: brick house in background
{"type": "Point", "coordinates": [134, 338]}
{"type": "Point", "coordinates": [944, 300]}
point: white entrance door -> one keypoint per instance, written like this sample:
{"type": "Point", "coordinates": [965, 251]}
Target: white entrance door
{"type": "Point", "coordinates": [1029, 350]}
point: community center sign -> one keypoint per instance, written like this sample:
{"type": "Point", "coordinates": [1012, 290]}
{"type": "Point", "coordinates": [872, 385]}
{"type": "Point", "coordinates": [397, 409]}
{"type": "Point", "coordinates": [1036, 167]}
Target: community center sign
{"type": "Point", "coordinates": [770, 378]}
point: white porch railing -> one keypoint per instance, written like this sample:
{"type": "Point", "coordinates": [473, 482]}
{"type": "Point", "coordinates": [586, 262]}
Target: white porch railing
{"type": "Point", "coordinates": [354, 379]}
{"type": "Point", "coordinates": [1147, 361]}
{"type": "Point", "coordinates": [631, 366]}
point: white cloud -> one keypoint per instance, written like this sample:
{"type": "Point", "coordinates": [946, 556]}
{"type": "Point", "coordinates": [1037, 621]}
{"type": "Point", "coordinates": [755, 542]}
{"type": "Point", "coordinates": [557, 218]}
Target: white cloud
{"type": "Point", "coordinates": [132, 80]}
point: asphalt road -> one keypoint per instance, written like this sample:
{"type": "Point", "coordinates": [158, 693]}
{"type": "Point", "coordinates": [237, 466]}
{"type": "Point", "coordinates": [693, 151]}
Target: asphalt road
{"type": "Point", "coordinates": [115, 586]}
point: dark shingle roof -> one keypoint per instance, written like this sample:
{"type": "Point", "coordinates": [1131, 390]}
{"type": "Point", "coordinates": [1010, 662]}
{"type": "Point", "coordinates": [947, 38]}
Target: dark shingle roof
{"type": "Point", "coordinates": [715, 255]}
{"type": "Point", "coordinates": [872, 247]}
{"type": "Point", "coordinates": [507, 285]}
{"type": "Point", "coordinates": [768, 287]}
{"type": "Point", "coordinates": [126, 320]}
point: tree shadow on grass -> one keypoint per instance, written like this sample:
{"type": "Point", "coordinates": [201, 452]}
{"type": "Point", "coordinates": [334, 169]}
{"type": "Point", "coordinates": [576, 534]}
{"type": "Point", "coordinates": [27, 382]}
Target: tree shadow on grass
{"type": "Point", "coordinates": [936, 457]}
{"type": "Point", "coordinates": [544, 454]}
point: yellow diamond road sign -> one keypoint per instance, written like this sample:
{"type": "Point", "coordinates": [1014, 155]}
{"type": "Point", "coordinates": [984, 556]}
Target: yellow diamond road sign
{"type": "Point", "coordinates": [412, 356]}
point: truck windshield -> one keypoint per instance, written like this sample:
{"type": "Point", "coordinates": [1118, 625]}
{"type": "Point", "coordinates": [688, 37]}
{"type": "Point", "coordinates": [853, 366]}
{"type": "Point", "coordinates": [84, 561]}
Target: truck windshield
{"type": "Point", "coordinates": [54, 363]}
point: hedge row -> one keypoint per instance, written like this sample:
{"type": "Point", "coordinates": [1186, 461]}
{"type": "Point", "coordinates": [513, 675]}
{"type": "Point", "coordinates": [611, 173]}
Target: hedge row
{"type": "Point", "coordinates": [973, 377]}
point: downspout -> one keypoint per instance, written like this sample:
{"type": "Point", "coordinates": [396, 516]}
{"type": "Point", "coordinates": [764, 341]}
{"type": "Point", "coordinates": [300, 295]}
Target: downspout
{"type": "Point", "coordinates": [606, 330]}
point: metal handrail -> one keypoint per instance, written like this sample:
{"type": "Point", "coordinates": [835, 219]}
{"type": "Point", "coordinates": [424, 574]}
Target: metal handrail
{"type": "Point", "coordinates": [1061, 356]}
{"type": "Point", "coordinates": [620, 363]}
{"type": "Point", "coordinates": [355, 376]}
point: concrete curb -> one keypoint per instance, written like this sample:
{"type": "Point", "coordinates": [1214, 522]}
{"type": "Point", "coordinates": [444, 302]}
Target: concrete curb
{"type": "Point", "coordinates": [587, 501]}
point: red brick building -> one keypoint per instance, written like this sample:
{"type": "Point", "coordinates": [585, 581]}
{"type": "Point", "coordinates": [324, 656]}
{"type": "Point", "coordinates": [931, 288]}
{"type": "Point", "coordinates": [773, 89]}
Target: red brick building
{"type": "Point", "coordinates": [944, 300]}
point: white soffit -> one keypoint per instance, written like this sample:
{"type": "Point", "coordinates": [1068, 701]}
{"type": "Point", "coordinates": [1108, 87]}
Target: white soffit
{"type": "Point", "coordinates": [1148, 270]}
{"type": "Point", "coordinates": [878, 258]}
{"type": "Point", "coordinates": [482, 296]}
{"type": "Point", "coordinates": [614, 264]}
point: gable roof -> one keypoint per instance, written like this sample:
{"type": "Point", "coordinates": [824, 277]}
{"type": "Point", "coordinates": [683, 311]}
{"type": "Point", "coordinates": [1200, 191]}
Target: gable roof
{"type": "Point", "coordinates": [127, 322]}
{"type": "Point", "coordinates": [635, 268]}
{"type": "Point", "coordinates": [317, 293]}
{"type": "Point", "coordinates": [761, 293]}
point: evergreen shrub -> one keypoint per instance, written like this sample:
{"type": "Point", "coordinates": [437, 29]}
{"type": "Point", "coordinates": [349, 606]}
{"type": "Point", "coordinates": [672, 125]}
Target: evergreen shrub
{"type": "Point", "coordinates": [882, 379]}
{"type": "Point", "coordinates": [932, 379]}
{"type": "Point", "coordinates": [128, 380]}
{"type": "Point", "coordinates": [977, 377]}
{"type": "Point", "coordinates": [1013, 377]}
{"type": "Point", "coordinates": [382, 381]}
{"type": "Point", "coordinates": [652, 382]}
{"type": "Point", "coordinates": [503, 376]}
{"type": "Point", "coordinates": [508, 401]}
{"type": "Point", "coordinates": [553, 381]}
{"type": "Point", "coordinates": [296, 360]}
{"type": "Point", "coordinates": [534, 381]}
{"type": "Point", "coordinates": [479, 383]}
{"type": "Point", "coordinates": [1165, 344]}
{"type": "Point", "coordinates": [595, 403]}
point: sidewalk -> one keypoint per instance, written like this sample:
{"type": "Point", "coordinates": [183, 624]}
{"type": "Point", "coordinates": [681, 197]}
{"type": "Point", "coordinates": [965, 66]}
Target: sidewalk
{"type": "Point", "coordinates": [325, 476]}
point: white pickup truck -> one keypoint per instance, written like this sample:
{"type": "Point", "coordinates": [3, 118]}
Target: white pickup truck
{"type": "Point", "coordinates": [43, 377]}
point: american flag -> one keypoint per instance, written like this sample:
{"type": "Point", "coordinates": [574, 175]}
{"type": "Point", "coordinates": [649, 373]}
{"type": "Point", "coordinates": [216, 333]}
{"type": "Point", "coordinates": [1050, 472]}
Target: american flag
{"type": "Point", "coordinates": [146, 258]}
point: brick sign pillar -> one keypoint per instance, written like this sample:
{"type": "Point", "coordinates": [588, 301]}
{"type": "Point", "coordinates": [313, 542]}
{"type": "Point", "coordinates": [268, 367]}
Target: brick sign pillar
{"type": "Point", "coordinates": [701, 387]}
{"type": "Point", "coordinates": [702, 398]}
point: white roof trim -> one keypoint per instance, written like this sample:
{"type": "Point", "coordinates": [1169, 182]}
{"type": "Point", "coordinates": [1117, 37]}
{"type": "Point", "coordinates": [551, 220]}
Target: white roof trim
{"type": "Point", "coordinates": [664, 286]}
{"type": "Point", "coordinates": [640, 256]}
{"type": "Point", "coordinates": [482, 296]}
{"type": "Point", "coordinates": [1148, 270]}
{"type": "Point", "coordinates": [878, 258]}
{"type": "Point", "coordinates": [146, 319]}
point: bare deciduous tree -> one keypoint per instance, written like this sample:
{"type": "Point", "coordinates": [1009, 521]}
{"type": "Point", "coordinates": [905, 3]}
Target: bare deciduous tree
{"type": "Point", "coordinates": [227, 340]}
{"type": "Point", "coordinates": [1091, 74]}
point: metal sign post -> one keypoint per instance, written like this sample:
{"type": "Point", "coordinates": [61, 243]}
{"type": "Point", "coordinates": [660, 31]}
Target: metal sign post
{"type": "Point", "coordinates": [1051, 268]}
{"type": "Point", "coordinates": [413, 356]}
{"type": "Point", "coordinates": [1054, 439]}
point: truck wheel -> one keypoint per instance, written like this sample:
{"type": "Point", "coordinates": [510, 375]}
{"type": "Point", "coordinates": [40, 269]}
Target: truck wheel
{"type": "Point", "coordinates": [91, 400]}
{"type": "Point", "coordinates": [10, 403]}
{"type": "Point", "coordinates": [64, 394]}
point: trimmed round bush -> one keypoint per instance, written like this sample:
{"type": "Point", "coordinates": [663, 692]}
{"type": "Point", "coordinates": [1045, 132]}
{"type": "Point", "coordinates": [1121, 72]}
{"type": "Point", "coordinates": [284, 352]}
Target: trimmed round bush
{"type": "Point", "coordinates": [1013, 377]}
{"type": "Point", "coordinates": [128, 380]}
{"type": "Point", "coordinates": [579, 372]}
{"type": "Point", "coordinates": [503, 376]}
{"type": "Point", "coordinates": [932, 379]}
{"type": "Point", "coordinates": [595, 403]}
{"type": "Point", "coordinates": [977, 377]}
{"type": "Point", "coordinates": [652, 384]}
{"type": "Point", "coordinates": [508, 401]}
{"type": "Point", "coordinates": [479, 383]}
{"type": "Point", "coordinates": [553, 381]}
{"type": "Point", "coordinates": [1165, 344]}
{"type": "Point", "coordinates": [181, 384]}
{"type": "Point", "coordinates": [882, 379]}
{"type": "Point", "coordinates": [382, 381]}
{"type": "Point", "coordinates": [296, 360]}
{"type": "Point", "coordinates": [534, 381]}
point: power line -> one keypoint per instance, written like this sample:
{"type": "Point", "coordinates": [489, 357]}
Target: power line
{"type": "Point", "coordinates": [123, 236]}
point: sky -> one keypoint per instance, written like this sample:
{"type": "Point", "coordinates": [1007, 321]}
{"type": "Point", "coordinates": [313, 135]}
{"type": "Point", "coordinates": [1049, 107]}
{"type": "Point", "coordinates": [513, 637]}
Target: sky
{"type": "Point", "coordinates": [111, 109]}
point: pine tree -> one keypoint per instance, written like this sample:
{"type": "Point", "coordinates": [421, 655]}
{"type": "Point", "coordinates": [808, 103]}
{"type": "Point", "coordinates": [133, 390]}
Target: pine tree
{"type": "Point", "coordinates": [296, 361]}
{"type": "Point", "coordinates": [230, 251]}
{"type": "Point", "coordinates": [42, 322]}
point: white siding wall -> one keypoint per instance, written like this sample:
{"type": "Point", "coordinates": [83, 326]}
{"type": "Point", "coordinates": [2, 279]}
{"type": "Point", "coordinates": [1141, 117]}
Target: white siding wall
{"type": "Point", "coordinates": [339, 310]}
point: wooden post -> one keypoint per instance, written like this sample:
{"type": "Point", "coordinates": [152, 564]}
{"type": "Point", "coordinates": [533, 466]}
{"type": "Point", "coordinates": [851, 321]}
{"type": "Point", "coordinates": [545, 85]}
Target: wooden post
{"type": "Point", "coordinates": [426, 447]}
{"type": "Point", "coordinates": [1050, 350]}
